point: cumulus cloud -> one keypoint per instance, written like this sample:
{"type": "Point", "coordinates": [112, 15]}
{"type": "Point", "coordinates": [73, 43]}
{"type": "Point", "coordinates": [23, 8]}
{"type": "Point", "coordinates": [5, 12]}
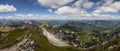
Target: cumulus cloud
{"type": "Point", "coordinates": [105, 8]}
{"type": "Point", "coordinates": [78, 8]}
{"type": "Point", "coordinates": [88, 5]}
{"type": "Point", "coordinates": [69, 10]}
{"type": "Point", "coordinates": [79, 14]}
{"type": "Point", "coordinates": [7, 8]}
{"type": "Point", "coordinates": [79, 3]}
{"type": "Point", "coordinates": [49, 10]}
{"type": "Point", "coordinates": [54, 3]}
{"type": "Point", "coordinates": [108, 2]}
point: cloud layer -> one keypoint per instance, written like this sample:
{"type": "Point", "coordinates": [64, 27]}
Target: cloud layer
{"type": "Point", "coordinates": [81, 6]}
{"type": "Point", "coordinates": [7, 8]}
{"type": "Point", "coordinates": [60, 17]}
{"type": "Point", "coordinates": [54, 3]}
{"type": "Point", "coordinates": [69, 10]}
{"type": "Point", "coordinates": [108, 7]}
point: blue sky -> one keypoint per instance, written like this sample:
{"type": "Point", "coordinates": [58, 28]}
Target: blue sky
{"type": "Point", "coordinates": [60, 9]}
{"type": "Point", "coordinates": [24, 7]}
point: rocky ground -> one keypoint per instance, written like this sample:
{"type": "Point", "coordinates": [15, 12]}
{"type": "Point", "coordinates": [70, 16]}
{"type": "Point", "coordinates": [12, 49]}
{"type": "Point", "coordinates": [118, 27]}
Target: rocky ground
{"type": "Point", "coordinates": [52, 39]}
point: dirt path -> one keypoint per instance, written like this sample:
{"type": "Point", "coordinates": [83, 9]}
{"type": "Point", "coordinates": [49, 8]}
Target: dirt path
{"type": "Point", "coordinates": [53, 40]}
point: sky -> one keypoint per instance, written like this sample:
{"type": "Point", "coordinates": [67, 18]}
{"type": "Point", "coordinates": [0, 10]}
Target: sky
{"type": "Point", "coordinates": [60, 9]}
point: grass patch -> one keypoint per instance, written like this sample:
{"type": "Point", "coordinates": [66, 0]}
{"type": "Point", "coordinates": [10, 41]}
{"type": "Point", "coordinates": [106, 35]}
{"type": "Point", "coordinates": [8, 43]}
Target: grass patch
{"type": "Point", "coordinates": [9, 38]}
{"type": "Point", "coordinates": [42, 44]}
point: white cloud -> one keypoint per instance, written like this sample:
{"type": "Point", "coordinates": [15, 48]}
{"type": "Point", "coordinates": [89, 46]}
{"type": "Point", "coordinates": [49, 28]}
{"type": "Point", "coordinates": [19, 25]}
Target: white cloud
{"type": "Point", "coordinates": [81, 14]}
{"type": "Point", "coordinates": [60, 17]}
{"type": "Point", "coordinates": [69, 10]}
{"type": "Point", "coordinates": [25, 15]}
{"type": "Point", "coordinates": [49, 10]}
{"type": "Point", "coordinates": [108, 2]}
{"type": "Point", "coordinates": [29, 15]}
{"type": "Point", "coordinates": [113, 7]}
{"type": "Point", "coordinates": [54, 3]}
{"type": "Point", "coordinates": [105, 9]}
{"type": "Point", "coordinates": [19, 15]}
{"type": "Point", "coordinates": [88, 5]}
{"type": "Point", "coordinates": [33, 17]}
{"type": "Point", "coordinates": [78, 3]}
{"type": "Point", "coordinates": [76, 11]}
{"type": "Point", "coordinates": [78, 8]}
{"type": "Point", "coordinates": [7, 8]}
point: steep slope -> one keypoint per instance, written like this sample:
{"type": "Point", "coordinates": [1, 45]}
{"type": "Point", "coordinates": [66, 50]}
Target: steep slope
{"type": "Point", "coordinates": [53, 40]}
{"type": "Point", "coordinates": [42, 44]}
{"type": "Point", "coordinates": [16, 39]}
{"type": "Point", "coordinates": [12, 37]}
{"type": "Point", "coordinates": [15, 47]}
{"type": "Point", "coordinates": [113, 45]}
{"type": "Point", "coordinates": [87, 35]}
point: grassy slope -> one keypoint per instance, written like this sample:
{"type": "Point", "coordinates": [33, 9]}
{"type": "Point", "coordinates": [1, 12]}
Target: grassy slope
{"type": "Point", "coordinates": [42, 44]}
{"type": "Point", "coordinates": [11, 37]}
{"type": "Point", "coordinates": [5, 28]}
{"type": "Point", "coordinates": [106, 46]}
